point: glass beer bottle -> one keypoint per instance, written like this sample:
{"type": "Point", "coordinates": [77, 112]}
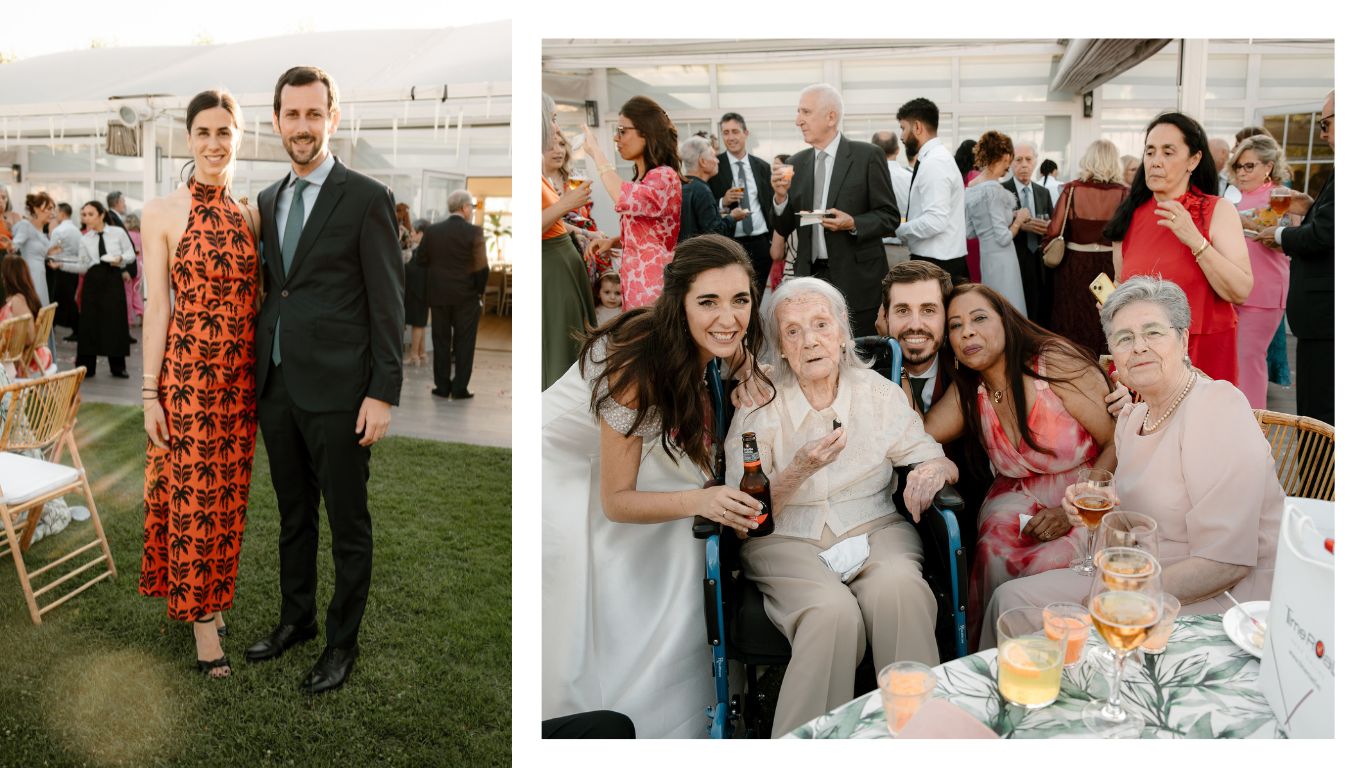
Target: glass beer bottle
{"type": "Point", "coordinates": [755, 483]}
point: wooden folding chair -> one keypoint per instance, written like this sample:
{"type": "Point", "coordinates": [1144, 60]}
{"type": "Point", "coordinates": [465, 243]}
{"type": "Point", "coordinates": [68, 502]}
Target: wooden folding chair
{"type": "Point", "coordinates": [42, 331]}
{"type": "Point", "coordinates": [40, 414]}
{"type": "Point", "coordinates": [1305, 453]}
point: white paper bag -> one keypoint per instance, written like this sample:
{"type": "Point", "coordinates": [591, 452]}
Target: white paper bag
{"type": "Point", "coordinates": [1299, 658]}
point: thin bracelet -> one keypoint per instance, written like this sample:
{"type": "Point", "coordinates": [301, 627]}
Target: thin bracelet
{"type": "Point", "coordinates": [606, 168]}
{"type": "Point", "coordinates": [1197, 253]}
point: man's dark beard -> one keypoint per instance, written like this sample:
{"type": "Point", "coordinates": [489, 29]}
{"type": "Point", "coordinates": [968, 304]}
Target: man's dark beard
{"type": "Point", "coordinates": [912, 148]}
{"type": "Point", "coordinates": [933, 348]}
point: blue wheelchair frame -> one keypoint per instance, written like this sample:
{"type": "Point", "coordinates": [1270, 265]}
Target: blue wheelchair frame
{"type": "Point", "coordinates": [724, 715]}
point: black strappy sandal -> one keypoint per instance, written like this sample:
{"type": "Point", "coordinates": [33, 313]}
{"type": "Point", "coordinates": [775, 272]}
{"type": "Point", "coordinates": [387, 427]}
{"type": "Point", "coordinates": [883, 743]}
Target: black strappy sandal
{"type": "Point", "coordinates": [207, 667]}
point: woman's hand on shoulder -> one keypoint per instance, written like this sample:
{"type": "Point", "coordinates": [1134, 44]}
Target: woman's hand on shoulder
{"type": "Point", "coordinates": [1120, 399]}
{"type": "Point", "coordinates": [728, 506]}
{"type": "Point", "coordinates": [751, 391]}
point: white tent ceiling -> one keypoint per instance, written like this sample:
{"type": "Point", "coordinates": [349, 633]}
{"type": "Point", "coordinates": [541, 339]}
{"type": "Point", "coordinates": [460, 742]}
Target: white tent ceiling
{"type": "Point", "coordinates": [468, 65]}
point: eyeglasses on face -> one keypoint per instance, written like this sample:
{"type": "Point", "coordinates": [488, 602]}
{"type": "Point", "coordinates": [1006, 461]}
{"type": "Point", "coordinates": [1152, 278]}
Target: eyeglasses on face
{"type": "Point", "coordinates": [621, 130]}
{"type": "Point", "coordinates": [1323, 123]}
{"type": "Point", "coordinates": [1240, 167]}
{"type": "Point", "coordinates": [1124, 340]}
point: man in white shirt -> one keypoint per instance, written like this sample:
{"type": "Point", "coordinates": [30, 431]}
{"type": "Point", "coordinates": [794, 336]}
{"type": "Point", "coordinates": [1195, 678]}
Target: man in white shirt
{"type": "Point", "coordinates": [64, 271]}
{"type": "Point", "coordinates": [901, 185]}
{"type": "Point", "coordinates": [934, 224]}
{"type": "Point", "coordinates": [743, 180]}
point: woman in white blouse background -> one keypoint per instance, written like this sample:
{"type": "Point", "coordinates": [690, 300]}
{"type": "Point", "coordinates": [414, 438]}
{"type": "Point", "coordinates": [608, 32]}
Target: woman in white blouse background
{"type": "Point", "coordinates": [829, 441]}
{"type": "Point", "coordinates": [105, 249]}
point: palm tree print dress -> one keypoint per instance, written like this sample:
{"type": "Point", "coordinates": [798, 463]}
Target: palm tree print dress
{"type": "Point", "coordinates": [196, 490]}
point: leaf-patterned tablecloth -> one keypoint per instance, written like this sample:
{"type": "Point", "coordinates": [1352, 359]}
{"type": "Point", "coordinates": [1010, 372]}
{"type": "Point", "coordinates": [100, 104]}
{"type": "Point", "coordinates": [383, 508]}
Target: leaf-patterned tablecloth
{"type": "Point", "coordinates": [1203, 686]}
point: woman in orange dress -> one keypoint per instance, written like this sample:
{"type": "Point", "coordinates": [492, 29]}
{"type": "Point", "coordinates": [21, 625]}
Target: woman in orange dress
{"type": "Point", "coordinates": [198, 396]}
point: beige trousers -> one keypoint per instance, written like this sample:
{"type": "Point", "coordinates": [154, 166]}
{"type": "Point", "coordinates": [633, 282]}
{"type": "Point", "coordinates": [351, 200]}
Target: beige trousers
{"type": "Point", "coordinates": [830, 623]}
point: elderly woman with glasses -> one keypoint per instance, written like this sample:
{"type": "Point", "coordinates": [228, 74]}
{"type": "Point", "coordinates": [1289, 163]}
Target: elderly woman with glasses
{"type": "Point", "coordinates": [1258, 167]}
{"type": "Point", "coordinates": [828, 439]}
{"type": "Point", "coordinates": [1190, 455]}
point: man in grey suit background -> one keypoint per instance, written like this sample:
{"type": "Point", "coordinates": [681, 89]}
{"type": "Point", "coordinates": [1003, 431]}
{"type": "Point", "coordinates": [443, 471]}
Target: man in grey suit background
{"type": "Point", "coordinates": [849, 181]}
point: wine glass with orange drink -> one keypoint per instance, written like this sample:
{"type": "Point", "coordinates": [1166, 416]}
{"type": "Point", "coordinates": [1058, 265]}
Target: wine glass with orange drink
{"type": "Point", "coordinates": [1125, 603]}
{"type": "Point", "coordinates": [1094, 496]}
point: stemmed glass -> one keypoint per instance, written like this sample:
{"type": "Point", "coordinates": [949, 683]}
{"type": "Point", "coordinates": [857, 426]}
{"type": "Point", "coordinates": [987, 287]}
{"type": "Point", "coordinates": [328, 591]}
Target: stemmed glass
{"type": "Point", "coordinates": [1094, 496]}
{"type": "Point", "coordinates": [1125, 603]}
{"type": "Point", "coordinates": [1122, 528]}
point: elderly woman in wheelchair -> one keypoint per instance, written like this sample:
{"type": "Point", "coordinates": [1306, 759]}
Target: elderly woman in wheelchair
{"type": "Point", "coordinates": [842, 569]}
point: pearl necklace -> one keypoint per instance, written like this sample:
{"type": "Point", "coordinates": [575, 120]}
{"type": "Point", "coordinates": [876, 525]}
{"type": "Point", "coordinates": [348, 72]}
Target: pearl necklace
{"type": "Point", "coordinates": [1152, 427]}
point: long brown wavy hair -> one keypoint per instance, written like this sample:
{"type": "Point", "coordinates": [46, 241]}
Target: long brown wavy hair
{"type": "Point", "coordinates": [652, 359]}
{"type": "Point", "coordinates": [653, 125]}
{"type": "Point", "coordinates": [1025, 341]}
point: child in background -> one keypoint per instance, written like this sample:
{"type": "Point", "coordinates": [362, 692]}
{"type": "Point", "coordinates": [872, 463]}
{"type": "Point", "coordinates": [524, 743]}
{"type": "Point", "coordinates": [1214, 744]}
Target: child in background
{"type": "Point", "coordinates": [607, 296]}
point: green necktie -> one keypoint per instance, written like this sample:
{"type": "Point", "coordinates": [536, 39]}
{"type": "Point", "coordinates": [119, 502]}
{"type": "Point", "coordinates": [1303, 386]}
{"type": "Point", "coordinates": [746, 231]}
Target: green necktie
{"type": "Point", "coordinates": [294, 227]}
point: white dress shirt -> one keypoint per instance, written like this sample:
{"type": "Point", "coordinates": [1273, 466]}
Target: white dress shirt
{"type": "Point", "coordinates": [116, 243]}
{"type": "Point", "coordinates": [67, 235]}
{"type": "Point", "coordinates": [901, 185]}
{"type": "Point", "coordinates": [818, 252]}
{"type": "Point", "coordinates": [751, 201]}
{"type": "Point", "coordinates": [936, 222]}
{"type": "Point", "coordinates": [286, 197]}
{"type": "Point", "coordinates": [882, 432]}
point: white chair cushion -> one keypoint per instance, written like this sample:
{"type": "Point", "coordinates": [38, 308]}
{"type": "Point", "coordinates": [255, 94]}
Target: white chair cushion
{"type": "Point", "coordinates": [23, 479]}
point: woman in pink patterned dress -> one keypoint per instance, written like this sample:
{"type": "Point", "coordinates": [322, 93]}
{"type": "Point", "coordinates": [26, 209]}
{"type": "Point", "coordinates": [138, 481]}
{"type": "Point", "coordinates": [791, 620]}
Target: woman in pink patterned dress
{"type": "Point", "coordinates": [650, 205]}
{"type": "Point", "coordinates": [1061, 425]}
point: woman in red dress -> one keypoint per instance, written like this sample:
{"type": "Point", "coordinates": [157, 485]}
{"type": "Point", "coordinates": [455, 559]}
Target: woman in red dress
{"type": "Point", "coordinates": [1173, 226]}
{"type": "Point", "coordinates": [650, 205]}
{"type": "Point", "coordinates": [199, 392]}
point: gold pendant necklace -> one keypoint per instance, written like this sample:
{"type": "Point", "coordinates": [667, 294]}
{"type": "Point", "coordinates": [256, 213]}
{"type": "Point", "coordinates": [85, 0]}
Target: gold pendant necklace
{"type": "Point", "coordinates": [996, 395]}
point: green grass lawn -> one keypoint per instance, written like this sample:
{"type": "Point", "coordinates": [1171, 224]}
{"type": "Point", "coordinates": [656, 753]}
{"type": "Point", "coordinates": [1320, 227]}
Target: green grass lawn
{"type": "Point", "coordinates": [107, 679]}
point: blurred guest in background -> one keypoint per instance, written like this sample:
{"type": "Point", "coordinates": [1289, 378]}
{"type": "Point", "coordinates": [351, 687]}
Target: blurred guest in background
{"type": "Point", "coordinates": [1258, 167]}
{"type": "Point", "coordinates": [566, 303]}
{"type": "Point", "coordinates": [994, 218]}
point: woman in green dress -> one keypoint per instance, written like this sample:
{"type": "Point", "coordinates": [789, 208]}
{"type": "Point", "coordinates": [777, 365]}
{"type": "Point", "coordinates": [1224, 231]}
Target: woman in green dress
{"type": "Point", "coordinates": [566, 301]}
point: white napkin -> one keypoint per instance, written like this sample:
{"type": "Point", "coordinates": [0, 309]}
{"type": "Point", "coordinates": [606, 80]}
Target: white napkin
{"type": "Point", "coordinates": [1024, 520]}
{"type": "Point", "coordinates": [847, 557]}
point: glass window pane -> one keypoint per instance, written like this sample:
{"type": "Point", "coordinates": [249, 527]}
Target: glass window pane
{"type": "Point", "coordinates": [768, 85]}
{"type": "Point", "coordinates": [1226, 77]}
{"type": "Point", "coordinates": [896, 82]}
{"type": "Point", "coordinates": [674, 87]}
{"type": "Point", "coordinates": [1126, 127]}
{"type": "Point", "coordinates": [1005, 78]}
{"type": "Point", "coordinates": [1154, 78]}
{"type": "Point", "coordinates": [1298, 78]}
{"type": "Point", "coordinates": [1223, 123]}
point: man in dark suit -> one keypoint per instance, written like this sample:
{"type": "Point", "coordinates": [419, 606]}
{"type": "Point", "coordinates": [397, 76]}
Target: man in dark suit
{"type": "Point", "coordinates": [1309, 305]}
{"type": "Point", "coordinates": [849, 181]}
{"type": "Point", "coordinates": [457, 263]}
{"type": "Point", "coordinates": [328, 366]}
{"type": "Point", "coordinates": [743, 181]}
{"type": "Point", "coordinates": [1035, 199]}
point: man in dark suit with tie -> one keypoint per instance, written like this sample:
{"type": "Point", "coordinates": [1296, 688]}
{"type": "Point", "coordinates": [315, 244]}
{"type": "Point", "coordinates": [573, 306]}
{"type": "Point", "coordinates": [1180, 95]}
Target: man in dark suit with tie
{"type": "Point", "coordinates": [457, 263]}
{"type": "Point", "coordinates": [914, 295]}
{"type": "Point", "coordinates": [849, 181]}
{"type": "Point", "coordinates": [1035, 199]}
{"type": "Point", "coordinates": [328, 366]}
{"type": "Point", "coordinates": [1309, 304]}
{"type": "Point", "coordinates": [744, 181]}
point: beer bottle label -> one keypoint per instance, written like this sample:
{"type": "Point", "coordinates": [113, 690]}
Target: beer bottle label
{"type": "Point", "coordinates": [763, 512]}
{"type": "Point", "coordinates": [751, 453]}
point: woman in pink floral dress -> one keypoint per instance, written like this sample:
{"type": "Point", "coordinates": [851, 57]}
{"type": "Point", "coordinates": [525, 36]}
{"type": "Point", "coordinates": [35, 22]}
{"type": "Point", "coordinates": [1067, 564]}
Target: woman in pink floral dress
{"type": "Point", "coordinates": [650, 205]}
{"type": "Point", "coordinates": [1061, 426]}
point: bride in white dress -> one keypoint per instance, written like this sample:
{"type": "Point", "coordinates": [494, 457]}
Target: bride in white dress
{"type": "Point", "coordinates": [622, 624]}
{"type": "Point", "coordinates": [993, 218]}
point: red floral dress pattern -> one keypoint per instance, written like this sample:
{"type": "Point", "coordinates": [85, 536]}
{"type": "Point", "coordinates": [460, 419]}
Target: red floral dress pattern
{"type": "Point", "coordinates": [196, 490]}
{"type": "Point", "coordinates": [1027, 482]}
{"type": "Point", "coordinates": [650, 211]}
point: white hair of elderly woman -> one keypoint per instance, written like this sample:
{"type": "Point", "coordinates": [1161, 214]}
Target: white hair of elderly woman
{"type": "Point", "coordinates": [794, 289]}
{"type": "Point", "coordinates": [1163, 293]}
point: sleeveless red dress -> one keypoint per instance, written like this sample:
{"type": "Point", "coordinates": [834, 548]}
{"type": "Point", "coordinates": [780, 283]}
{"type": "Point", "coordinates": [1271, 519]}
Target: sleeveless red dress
{"type": "Point", "coordinates": [196, 491]}
{"type": "Point", "coordinates": [1153, 250]}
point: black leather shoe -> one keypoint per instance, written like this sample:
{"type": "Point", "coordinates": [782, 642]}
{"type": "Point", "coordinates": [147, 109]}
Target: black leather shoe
{"type": "Point", "coordinates": [119, 374]}
{"type": "Point", "coordinates": [332, 669]}
{"type": "Point", "coordinates": [462, 395]}
{"type": "Point", "coordinates": [281, 639]}
{"type": "Point", "coordinates": [440, 394]}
